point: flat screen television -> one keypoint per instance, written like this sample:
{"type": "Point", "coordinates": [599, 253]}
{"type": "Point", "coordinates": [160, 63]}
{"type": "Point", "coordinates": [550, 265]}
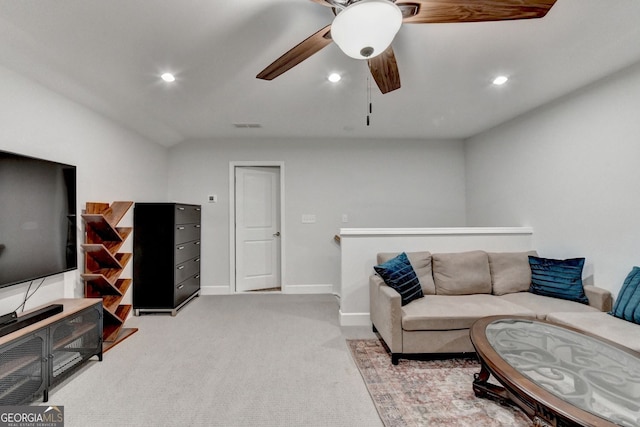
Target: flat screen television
{"type": "Point", "coordinates": [37, 218]}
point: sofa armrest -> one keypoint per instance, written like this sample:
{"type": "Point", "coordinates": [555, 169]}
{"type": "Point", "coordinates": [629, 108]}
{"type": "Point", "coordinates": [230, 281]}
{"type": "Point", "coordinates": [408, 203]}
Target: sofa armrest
{"type": "Point", "coordinates": [385, 308]}
{"type": "Point", "coordinates": [599, 298]}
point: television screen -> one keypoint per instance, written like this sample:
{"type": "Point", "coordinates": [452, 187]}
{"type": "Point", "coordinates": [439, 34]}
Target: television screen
{"type": "Point", "coordinates": [37, 218]}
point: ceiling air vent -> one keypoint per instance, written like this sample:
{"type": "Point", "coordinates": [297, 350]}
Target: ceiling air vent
{"type": "Point", "coordinates": [247, 125]}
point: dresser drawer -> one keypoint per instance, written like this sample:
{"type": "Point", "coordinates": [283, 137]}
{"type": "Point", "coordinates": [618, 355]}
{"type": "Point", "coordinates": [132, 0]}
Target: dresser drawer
{"type": "Point", "coordinates": [185, 251]}
{"type": "Point", "coordinates": [187, 233]}
{"type": "Point", "coordinates": [186, 214]}
{"type": "Point", "coordinates": [185, 289]}
{"type": "Point", "coordinates": [187, 269]}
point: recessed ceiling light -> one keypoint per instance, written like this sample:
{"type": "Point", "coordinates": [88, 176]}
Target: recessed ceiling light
{"type": "Point", "coordinates": [500, 80]}
{"type": "Point", "coordinates": [168, 77]}
{"type": "Point", "coordinates": [334, 77]}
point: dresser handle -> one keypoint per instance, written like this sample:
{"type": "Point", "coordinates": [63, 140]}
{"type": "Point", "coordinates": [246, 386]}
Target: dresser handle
{"type": "Point", "coordinates": [196, 260]}
{"type": "Point", "coordinates": [180, 248]}
{"type": "Point", "coordinates": [197, 226]}
{"type": "Point", "coordinates": [197, 243]}
{"type": "Point", "coordinates": [180, 209]}
{"type": "Point", "coordinates": [198, 209]}
{"type": "Point", "coordinates": [197, 276]}
{"type": "Point", "coordinates": [180, 287]}
{"type": "Point", "coordinates": [181, 267]}
{"type": "Point", "coordinates": [180, 228]}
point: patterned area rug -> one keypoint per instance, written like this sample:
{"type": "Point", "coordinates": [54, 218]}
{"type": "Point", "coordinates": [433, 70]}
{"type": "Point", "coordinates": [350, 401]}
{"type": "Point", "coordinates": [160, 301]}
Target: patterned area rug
{"type": "Point", "coordinates": [428, 393]}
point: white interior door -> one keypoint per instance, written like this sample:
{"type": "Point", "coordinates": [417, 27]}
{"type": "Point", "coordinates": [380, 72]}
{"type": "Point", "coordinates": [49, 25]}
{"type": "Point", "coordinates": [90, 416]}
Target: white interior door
{"type": "Point", "coordinates": [257, 231]}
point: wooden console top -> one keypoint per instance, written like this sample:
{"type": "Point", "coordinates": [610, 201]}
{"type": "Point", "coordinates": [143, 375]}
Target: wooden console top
{"type": "Point", "coordinates": [71, 306]}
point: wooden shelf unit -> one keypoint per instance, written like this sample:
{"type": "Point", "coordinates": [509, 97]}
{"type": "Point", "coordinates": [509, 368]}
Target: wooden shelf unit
{"type": "Point", "coordinates": [104, 265]}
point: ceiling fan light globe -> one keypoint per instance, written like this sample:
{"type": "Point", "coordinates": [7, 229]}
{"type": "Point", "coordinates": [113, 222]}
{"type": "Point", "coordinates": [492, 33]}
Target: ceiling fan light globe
{"type": "Point", "coordinates": [366, 29]}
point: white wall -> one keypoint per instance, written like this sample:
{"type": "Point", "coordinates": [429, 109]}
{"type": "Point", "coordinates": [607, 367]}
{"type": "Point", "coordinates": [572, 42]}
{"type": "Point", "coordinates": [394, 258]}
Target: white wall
{"type": "Point", "coordinates": [112, 164]}
{"type": "Point", "coordinates": [376, 183]}
{"type": "Point", "coordinates": [570, 170]}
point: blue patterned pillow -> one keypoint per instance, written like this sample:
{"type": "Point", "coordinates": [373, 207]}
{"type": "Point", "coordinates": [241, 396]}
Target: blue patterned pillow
{"type": "Point", "coordinates": [558, 278]}
{"type": "Point", "coordinates": [398, 274]}
{"type": "Point", "coordinates": [627, 304]}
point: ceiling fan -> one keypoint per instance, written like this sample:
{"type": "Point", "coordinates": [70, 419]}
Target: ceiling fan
{"type": "Point", "coordinates": [364, 29]}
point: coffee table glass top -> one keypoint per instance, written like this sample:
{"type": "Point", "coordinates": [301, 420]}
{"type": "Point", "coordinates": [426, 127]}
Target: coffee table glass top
{"type": "Point", "coordinates": [584, 371]}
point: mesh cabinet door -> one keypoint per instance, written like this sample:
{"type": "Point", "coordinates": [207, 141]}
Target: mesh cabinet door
{"type": "Point", "coordinates": [23, 369]}
{"type": "Point", "coordinates": [73, 340]}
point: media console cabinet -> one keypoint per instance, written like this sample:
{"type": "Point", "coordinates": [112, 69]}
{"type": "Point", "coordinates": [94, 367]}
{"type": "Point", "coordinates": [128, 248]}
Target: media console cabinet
{"type": "Point", "coordinates": [35, 358]}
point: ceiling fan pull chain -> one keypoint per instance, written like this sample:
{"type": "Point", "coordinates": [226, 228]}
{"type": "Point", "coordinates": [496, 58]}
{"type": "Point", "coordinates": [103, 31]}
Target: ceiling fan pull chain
{"type": "Point", "coordinates": [369, 100]}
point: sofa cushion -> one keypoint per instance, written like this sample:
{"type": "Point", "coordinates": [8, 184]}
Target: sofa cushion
{"type": "Point", "coordinates": [448, 312]}
{"type": "Point", "coordinates": [510, 271]}
{"type": "Point", "coordinates": [559, 278]}
{"type": "Point", "coordinates": [462, 273]}
{"type": "Point", "coordinates": [542, 305]}
{"type": "Point", "coordinates": [627, 305]}
{"type": "Point", "coordinates": [421, 263]}
{"type": "Point", "coordinates": [602, 324]}
{"type": "Point", "coordinates": [398, 274]}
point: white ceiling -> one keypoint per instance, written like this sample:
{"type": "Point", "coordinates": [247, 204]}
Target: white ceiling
{"type": "Point", "coordinates": [108, 55]}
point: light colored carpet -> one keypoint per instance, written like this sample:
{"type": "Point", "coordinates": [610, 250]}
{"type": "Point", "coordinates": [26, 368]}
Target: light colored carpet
{"type": "Point", "coordinates": [237, 360]}
{"type": "Point", "coordinates": [418, 393]}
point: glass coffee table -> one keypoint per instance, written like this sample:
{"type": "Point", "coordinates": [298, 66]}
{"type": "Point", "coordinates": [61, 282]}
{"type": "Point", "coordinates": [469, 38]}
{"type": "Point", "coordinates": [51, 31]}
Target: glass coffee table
{"type": "Point", "coordinates": [557, 375]}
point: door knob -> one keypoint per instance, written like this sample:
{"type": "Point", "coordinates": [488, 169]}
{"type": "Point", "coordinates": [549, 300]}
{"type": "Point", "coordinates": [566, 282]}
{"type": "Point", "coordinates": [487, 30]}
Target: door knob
{"type": "Point", "coordinates": [276, 234]}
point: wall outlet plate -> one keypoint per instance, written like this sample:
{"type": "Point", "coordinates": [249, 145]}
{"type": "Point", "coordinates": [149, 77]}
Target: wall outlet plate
{"type": "Point", "coordinates": [308, 218]}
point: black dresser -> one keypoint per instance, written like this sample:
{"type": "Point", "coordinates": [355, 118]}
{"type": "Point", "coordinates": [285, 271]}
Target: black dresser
{"type": "Point", "coordinates": [166, 256]}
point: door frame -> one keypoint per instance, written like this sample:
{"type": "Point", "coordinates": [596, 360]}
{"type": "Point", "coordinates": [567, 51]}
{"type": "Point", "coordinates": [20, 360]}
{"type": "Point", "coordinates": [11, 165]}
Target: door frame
{"type": "Point", "coordinates": [232, 223]}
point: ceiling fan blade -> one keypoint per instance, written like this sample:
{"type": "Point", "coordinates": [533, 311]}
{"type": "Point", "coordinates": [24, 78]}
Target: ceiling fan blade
{"type": "Point", "coordinates": [323, 2]}
{"type": "Point", "coordinates": [384, 70]}
{"type": "Point", "coordinates": [302, 51]}
{"type": "Point", "coordinates": [450, 11]}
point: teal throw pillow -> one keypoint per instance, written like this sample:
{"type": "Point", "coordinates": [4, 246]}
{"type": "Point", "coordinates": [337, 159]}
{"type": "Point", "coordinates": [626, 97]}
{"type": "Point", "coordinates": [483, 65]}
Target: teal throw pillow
{"type": "Point", "coordinates": [558, 278]}
{"type": "Point", "coordinates": [627, 304]}
{"type": "Point", "coordinates": [398, 274]}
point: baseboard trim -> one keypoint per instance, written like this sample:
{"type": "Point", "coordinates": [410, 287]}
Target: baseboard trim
{"type": "Point", "coordinates": [355, 319]}
{"type": "Point", "coordinates": [214, 290]}
{"type": "Point", "coordinates": [290, 289]}
{"type": "Point", "coordinates": [308, 289]}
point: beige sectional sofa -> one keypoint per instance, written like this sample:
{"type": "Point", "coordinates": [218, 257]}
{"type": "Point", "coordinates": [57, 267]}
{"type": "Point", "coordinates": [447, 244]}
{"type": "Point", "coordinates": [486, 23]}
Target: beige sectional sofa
{"type": "Point", "coordinates": [460, 288]}
{"type": "Point", "coordinates": [602, 324]}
